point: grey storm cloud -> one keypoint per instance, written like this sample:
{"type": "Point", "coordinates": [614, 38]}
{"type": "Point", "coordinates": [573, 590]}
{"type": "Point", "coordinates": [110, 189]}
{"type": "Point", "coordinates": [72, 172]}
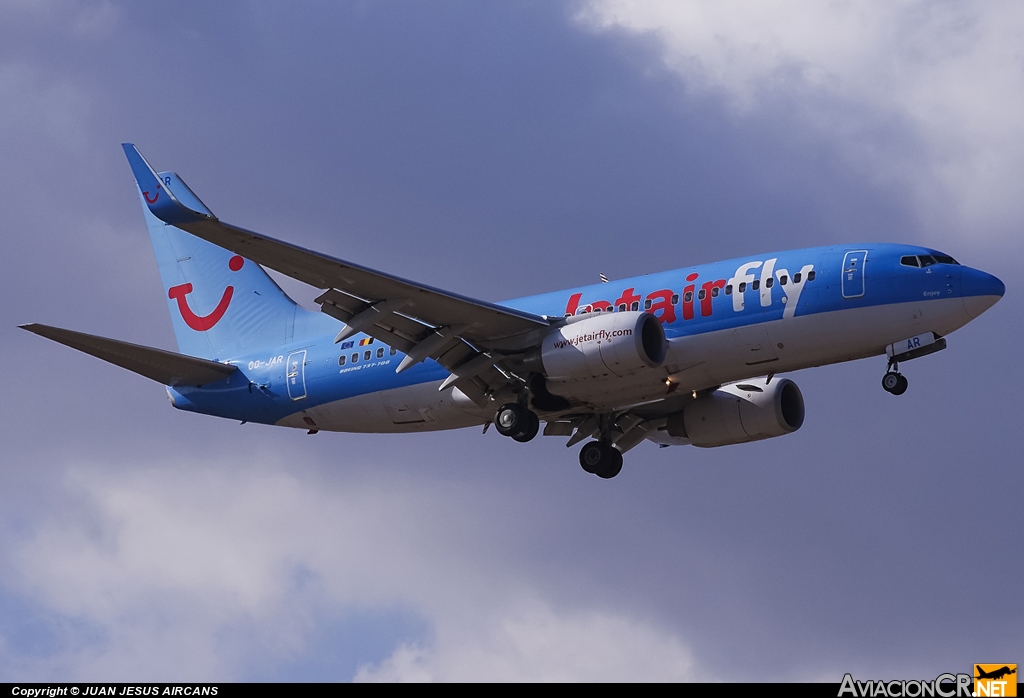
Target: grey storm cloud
{"type": "Point", "coordinates": [499, 150]}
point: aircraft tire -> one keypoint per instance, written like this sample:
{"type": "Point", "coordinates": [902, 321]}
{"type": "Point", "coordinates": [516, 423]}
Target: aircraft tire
{"type": "Point", "coordinates": [612, 465]}
{"type": "Point", "coordinates": [601, 459]}
{"type": "Point", "coordinates": [590, 457]}
{"type": "Point", "coordinates": [901, 385]}
{"type": "Point", "coordinates": [891, 382]}
{"type": "Point", "coordinates": [512, 419]}
{"type": "Point", "coordinates": [532, 427]}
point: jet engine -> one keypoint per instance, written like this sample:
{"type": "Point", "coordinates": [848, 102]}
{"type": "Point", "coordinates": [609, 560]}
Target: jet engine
{"type": "Point", "coordinates": [606, 345]}
{"type": "Point", "coordinates": [740, 412]}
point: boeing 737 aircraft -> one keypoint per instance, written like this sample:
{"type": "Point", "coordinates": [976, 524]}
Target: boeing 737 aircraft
{"type": "Point", "coordinates": [681, 357]}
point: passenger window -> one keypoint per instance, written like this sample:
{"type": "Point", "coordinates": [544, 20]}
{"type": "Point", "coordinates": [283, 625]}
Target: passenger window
{"type": "Point", "coordinates": [701, 294]}
{"type": "Point", "coordinates": [635, 305]}
{"type": "Point", "coordinates": [354, 358]}
{"type": "Point", "coordinates": [796, 278]}
{"type": "Point", "coordinates": [675, 299]}
{"type": "Point", "coordinates": [622, 307]}
{"type": "Point", "coordinates": [728, 289]}
{"type": "Point", "coordinates": [341, 360]}
{"type": "Point", "coordinates": [380, 353]}
{"type": "Point", "coordinates": [769, 282]}
{"type": "Point", "coordinates": [756, 285]}
{"type": "Point", "coordinates": [393, 351]}
{"type": "Point", "coordinates": [810, 275]}
{"type": "Point", "coordinates": [366, 355]}
{"type": "Point", "coordinates": [783, 279]}
{"type": "Point", "coordinates": [910, 261]}
{"type": "Point", "coordinates": [688, 296]}
{"type": "Point", "coordinates": [926, 260]}
{"type": "Point", "coordinates": [743, 287]}
{"type": "Point", "coordinates": [647, 304]}
{"type": "Point", "coordinates": [714, 292]}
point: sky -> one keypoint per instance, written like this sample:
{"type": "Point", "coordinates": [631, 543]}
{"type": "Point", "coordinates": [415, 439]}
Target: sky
{"type": "Point", "coordinates": [499, 150]}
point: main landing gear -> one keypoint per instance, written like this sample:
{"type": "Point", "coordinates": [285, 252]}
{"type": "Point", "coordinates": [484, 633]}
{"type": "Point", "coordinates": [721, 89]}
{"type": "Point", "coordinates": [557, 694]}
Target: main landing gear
{"type": "Point", "coordinates": [522, 424]}
{"type": "Point", "coordinates": [601, 459]}
{"type": "Point", "coordinates": [893, 381]}
{"type": "Point", "coordinates": [516, 421]}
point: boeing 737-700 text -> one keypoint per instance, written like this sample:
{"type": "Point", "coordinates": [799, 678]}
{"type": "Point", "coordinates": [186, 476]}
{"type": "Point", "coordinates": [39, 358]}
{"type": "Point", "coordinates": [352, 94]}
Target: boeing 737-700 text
{"type": "Point", "coordinates": [681, 357]}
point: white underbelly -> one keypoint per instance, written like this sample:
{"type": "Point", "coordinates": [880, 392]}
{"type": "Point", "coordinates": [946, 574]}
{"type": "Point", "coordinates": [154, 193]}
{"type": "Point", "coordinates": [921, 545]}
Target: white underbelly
{"type": "Point", "coordinates": [411, 408]}
{"type": "Point", "coordinates": [711, 359]}
{"type": "Point", "coordinates": [806, 341]}
{"type": "Point", "coordinates": [695, 362]}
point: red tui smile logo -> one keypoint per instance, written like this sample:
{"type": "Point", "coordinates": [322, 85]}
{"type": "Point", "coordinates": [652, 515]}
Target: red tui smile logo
{"type": "Point", "coordinates": [201, 323]}
{"type": "Point", "coordinates": [155, 196]}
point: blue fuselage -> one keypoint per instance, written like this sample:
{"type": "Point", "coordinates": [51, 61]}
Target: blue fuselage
{"type": "Point", "coordinates": [816, 306]}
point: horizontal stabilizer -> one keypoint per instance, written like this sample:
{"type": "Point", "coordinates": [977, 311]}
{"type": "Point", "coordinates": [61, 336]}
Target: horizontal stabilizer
{"type": "Point", "coordinates": [156, 364]}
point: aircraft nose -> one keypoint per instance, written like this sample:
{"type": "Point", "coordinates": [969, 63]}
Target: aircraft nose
{"type": "Point", "coordinates": [980, 291]}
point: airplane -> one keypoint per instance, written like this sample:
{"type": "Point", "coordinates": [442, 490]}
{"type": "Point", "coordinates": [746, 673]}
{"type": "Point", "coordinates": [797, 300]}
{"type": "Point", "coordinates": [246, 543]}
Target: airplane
{"type": "Point", "coordinates": [689, 356]}
{"type": "Point", "coordinates": [996, 674]}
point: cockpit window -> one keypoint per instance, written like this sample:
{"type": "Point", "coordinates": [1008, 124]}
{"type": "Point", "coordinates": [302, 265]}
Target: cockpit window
{"type": "Point", "coordinates": [926, 260]}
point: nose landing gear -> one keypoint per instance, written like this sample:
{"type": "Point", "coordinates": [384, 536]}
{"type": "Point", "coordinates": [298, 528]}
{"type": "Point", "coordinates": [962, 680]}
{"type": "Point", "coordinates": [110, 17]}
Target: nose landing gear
{"type": "Point", "coordinates": [893, 381]}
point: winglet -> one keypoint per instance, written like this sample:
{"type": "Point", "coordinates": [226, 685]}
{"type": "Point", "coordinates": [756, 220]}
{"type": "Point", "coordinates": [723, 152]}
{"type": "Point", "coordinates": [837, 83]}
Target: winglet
{"type": "Point", "coordinates": [161, 201]}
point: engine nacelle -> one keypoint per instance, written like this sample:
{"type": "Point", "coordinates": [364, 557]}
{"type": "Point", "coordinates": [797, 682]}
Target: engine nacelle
{"type": "Point", "coordinates": [605, 345]}
{"type": "Point", "coordinates": [741, 412]}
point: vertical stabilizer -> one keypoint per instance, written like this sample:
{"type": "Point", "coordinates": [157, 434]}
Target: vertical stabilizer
{"type": "Point", "coordinates": [221, 304]}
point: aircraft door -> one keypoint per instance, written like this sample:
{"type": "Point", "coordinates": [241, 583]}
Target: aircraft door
{"type": "Point", "coordinates": [295, 375]}
{"type": "Point", "coordinates": [853, 273]}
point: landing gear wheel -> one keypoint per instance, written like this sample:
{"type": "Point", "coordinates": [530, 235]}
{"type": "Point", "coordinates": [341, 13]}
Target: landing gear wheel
{"type": "Point", "coordinates": [894, 383]}
{"type": "Point", "coordinates": [614, 465]}
{"type": "Point", "coordinates": [511, 419]}
{"type": "Point", "coordinates": [532, 427]}
{"type": "Point", "coordinates": [902, 386]}
{"type": "Point", "coordinates": [591, 456]}
{"type": "Point", "coordinates": [600, 459]}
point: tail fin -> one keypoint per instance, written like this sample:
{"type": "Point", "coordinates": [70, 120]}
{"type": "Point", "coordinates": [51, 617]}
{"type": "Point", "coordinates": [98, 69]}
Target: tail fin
{"type": "Point", "coordinates": [221, 304]}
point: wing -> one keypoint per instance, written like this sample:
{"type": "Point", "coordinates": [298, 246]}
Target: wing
{"type": "Point", "coordinates": [156, 364]}
{"type": "Point", "coordinates": [466, 336]}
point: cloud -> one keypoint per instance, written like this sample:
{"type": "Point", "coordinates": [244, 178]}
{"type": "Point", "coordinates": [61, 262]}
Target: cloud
{"type": "Point", "coordinates": [534, 642]}
{"type": "Point", "coordinates": [924, 94]}
{"type": "Point", "coordinates": [85, 19]}
{"type": "Point", "coordinates": [31, 107]}
{"type": "Point", "coordinates": [452, 140]}
{"type": "Point", "coordinates": [232, 570]}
